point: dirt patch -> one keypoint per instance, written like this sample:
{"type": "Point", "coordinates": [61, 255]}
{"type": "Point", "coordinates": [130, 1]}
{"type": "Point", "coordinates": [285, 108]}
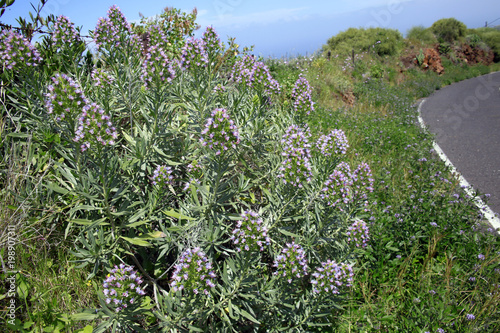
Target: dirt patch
{"type": "Point", "coordinates": [475, 55]}
{"type": "Point", "coordinates": [348, 98]}
{"type": "Point", "coordinates": [426, 59]}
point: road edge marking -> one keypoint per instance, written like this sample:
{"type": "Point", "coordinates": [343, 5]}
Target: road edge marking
{"type": "Point", "coordinates": [464, 184]}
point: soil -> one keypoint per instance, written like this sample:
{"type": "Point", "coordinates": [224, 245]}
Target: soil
{"type": "Point", "coordinates": [431, 59]}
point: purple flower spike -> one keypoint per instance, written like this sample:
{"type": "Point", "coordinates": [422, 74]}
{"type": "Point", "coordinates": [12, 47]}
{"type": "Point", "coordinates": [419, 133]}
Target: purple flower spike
{"type": "Point", "coordinates": [291, 264]}
{"type": "Point", "coordinates": [121, 292]}
{"type": "Point", "coordinates": [193, 273]}
{"type": "Point", "coordinates": [250, 233]}
{"type": "Point", "coordinates": [296, 167]}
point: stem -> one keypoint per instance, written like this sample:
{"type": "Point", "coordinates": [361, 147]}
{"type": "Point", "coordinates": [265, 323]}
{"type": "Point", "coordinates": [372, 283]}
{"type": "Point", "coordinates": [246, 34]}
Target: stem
{"type": "Point", "coordinates": [154, 281]}
{"type": "Point", "coordinates": [105, 193]}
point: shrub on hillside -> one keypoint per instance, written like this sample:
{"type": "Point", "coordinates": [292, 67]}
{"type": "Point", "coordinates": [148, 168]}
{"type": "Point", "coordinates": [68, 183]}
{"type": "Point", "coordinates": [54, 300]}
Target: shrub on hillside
{"type": "Point", "coordinates": [448, 30]}
{"type": "Point", "coordinates": [382, 41]}
{"type": "Point", "coordinates": [491, 37]}
{"type": "Point", "coordinates": [422, 34]}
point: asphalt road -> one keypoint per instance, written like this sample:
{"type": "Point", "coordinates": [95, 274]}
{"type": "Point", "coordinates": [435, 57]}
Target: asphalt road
{"type": "Point", "coordinates": [465, 117]}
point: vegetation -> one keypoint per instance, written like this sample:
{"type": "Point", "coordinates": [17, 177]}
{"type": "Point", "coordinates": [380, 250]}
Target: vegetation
{"type": "Point", "coordinates": [230, 193]}
{"type": "Point", "coordinates": [448, 30]}
{"type": "Point", "coordinates": [491, 37]}
{"type": "Point", "coordinates": [382, 41]}
{"type": "Point", "coordinates": [421, 34]}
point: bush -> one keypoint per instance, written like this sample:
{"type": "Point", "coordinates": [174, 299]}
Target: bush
{"type": "Point", "coordinates": [422, 34]}
{"type": "Point", "coordinates": [382, 41]}
{"type": "Point", "coordinates": [190, 164]}
{"type": "Point", "coordinates": [448, 30]}
{"type": "Point", "coordinates": [491, 37]}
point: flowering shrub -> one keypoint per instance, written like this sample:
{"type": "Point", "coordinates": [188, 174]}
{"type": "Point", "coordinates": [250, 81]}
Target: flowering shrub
{"type": "Point", "coordinates": [193, 54]}
{"type": "Point", "coordinates": [362, 182]}
{"type": "Point", "coordinates": [230, 165]}
{"type": "Point", "coordinates": [157, 67]}
{"type": "Point", "coordinates": [16, 52]}
{"type": "Point", "coordinates": [102, 78]}
{"type": "Point", "coordinates": [220, 132]}
{"type": "Point", "coordinates": [331, 276]}
{"type": "Point", "coordinates": [333, 143]}
{"type": "Point", "coordinates": [114, 31]}
{"type": "Point", "coordinates": [344, 187]}
{"type": "Point", "coordinates": [65, 98]}
{"type": "Point", "coordinates": [358, 233]}
{"type": "Point", "coordinates": [213, 44]}
{"type": "Point", "coordinates": [94, 127]}
{"type": "Point", "coordinates": [193, 273]}
{"type": "Point", "coordinates": [337, 188]}
{"type": "Point", "coordinates": [250, 234]}
{"type": "Point", "coordinates": [252, 73]}
{"type": "Point", "coordinates": [122, 287]}
{"type": "Point", "coordinates": [291, 263]}
{"type": "Point", "coordinates": [64, 33]}
{"type": "Point", "coordinates": [296, 167]}
{"type": "Point", "coordinates": [302, 96]}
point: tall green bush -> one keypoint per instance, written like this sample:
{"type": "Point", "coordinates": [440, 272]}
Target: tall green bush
{"type": "Point", "coordinates": [448, 29]}
{"type": "Point", "coordinates": [382, 41]}
{"type": "Point", "coordinates": [422, 34]}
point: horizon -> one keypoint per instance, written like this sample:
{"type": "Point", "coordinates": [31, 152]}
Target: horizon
{"type": "Point", "coordinates": [296, 28]}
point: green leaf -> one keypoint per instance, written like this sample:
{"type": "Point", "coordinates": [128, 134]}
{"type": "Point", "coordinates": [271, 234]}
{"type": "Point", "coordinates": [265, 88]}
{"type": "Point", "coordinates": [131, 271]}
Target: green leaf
{"type": "Point", "coordinates": [86, 329]}
{"type": "Point", "coordinates": [177, 215]}
{"type": "Point", "coordinates": [85, 316]}
{"type": "Point", "coordinates": [19, 135]}
{"type": "Point", "coordinates": [288, 233]}
{"type": "Point", "coordinates": [56, 188]}
{"type": "Point", "coordinates": [89, 222]}
{"type": "Point", "coordinates": [22, 288]}
{"type": "Point", "coordinates": [248, 316]}
{"type": "Point", "coordinates": [136, 224]}
{"type": "Point", "coordinates": [136, 241]}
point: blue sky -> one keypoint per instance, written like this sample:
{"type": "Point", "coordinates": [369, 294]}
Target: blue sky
{"type": "Point", "coordinates": [279, 28]}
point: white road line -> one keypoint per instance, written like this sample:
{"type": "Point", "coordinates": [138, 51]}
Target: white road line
{"type": "Point", "coordinates": [485, 209]}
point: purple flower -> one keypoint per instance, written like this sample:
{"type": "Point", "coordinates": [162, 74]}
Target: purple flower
{"type": "Point", "coordinates": [65, 99]}
{"type": "Point", "coordinates": [194, 54]}
{"type": "Point", "coordinates": [220, 132]}
{"type": "Point", "coordinates": [296, 167]}
{"type": "Point", "coordinates": [331, 276]}
{"type": "Point", "coordinates": [193, 272]}
{"type": "Point", "coordinates": [291, 264]}
{"type": "Point", "coordinates": [94, 127]}
{"type": "Point", "coordinates": [301, 94]}
{"type": "Point", "coordinates": [114, 31]}
{"type": "Point", "coordinates": [157, 68]}
{"type": "Point", "coordinates": [358, 233]}
{"type": "Point", "coordinates": [250, 233]}
{"type": "Point", "coordinates": [121, 294]}
{"type": "Point", "coordinates": [333, 143]}
{"type": "Point", "coordinates": [254, 74]}
{"type": "Point", "coordinates": [470, 316]}
{"type": "Point", "coordinates": [16, 52]}
{"type": "Point", "coordinates": [162, 176]}
{"type": "Point", "coordinates": [64, 34]}
{"type": "Point", "coordinates": [338, 187]}
{"type": "Point", "coordinates": [102, 78]}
